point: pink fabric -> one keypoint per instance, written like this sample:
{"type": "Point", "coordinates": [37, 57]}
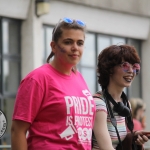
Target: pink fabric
{"type": "Point", "coordinates": [60, 109]}
{"type": "Point", "coordinates": [137, 125]}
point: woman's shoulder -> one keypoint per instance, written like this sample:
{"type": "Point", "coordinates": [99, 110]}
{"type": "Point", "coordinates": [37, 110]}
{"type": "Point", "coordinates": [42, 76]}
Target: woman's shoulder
{"type": "Point", "coordinates": [99, 98]}
{"type": "Point", "coordinates": [99, 101]}
{"type": "Point", "coordinates": [38, 74]}
{"type": "Point", "coordinates": [98, 95]}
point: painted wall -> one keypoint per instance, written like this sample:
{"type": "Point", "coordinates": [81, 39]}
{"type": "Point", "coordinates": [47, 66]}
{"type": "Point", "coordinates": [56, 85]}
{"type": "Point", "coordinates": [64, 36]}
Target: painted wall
{"type": "Point", "coordinates": [14, 8]}
{"type": "Point", "coordinates": [146, 79]}
{"type": "Point", "coordinates": [101, 21]}
{"type": "Point", "coordinates": [136, 7]}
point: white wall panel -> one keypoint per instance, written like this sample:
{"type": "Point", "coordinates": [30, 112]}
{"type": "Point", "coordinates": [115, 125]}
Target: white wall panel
{"type": "Point", "coordinates": [98, 20]}
{"type": "Point", "coordinates": [14, 8]}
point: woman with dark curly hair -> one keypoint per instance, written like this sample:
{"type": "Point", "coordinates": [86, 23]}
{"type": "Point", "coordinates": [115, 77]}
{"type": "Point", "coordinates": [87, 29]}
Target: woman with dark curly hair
{"type": "Point", "coordinates": [117, 67]}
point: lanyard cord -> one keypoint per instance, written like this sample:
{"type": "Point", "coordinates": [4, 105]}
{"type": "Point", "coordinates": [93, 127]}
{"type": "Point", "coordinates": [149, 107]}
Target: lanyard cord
{"type": "Point", "coordinates": [112, 118]}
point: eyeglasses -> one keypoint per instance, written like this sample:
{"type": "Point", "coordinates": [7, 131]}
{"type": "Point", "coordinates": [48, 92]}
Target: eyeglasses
{"type": "Point", "coordinates": [126, 66]}
{"type": "Point", "coordinates": [69, 21]}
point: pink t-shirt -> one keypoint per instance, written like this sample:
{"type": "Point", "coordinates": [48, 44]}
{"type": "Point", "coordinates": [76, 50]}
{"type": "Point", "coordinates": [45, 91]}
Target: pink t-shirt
{"type": "Point", "coordinates": [137, 125]}
{"type": "Point", "coordinates": [59, 107]}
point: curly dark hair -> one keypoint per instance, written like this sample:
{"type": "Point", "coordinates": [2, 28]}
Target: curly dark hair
{"type": "Point", "coordinates": [112, 56]}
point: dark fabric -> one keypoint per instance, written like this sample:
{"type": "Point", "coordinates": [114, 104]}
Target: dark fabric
{"type": "Point", "coordinates": [129, 144]}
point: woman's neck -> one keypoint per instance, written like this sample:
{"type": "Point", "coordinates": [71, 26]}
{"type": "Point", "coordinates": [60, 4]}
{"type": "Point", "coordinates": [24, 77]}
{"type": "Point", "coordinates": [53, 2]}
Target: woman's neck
{"type": "Point", "coordinates": [61, 68]}
{"type": "Point", "coordinates": [115, 93]}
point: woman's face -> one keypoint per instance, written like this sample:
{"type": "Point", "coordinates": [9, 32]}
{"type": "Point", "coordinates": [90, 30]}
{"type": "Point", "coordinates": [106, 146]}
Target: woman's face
{"type": "Point", "coordinates": [69, 48]}
{"type": "Point", "coordinates": [121, 76]}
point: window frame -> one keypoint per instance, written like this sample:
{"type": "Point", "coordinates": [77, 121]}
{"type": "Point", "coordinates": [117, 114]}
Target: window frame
{"type": "Point", "coordinates": [96, 35]}
{"type": "Point", "coordinates": [9, 96]}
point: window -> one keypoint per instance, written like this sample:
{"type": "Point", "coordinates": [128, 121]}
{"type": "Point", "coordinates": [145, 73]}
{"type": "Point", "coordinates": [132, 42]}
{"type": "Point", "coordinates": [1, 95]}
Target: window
{"type": "Point", "coordinates": [87, 64]}
{"type": "Point", "coordinates": [135, 89]}
{"type": "Point", "coordinates": [47, 39]}
{"type": "Point", "coordinates": [94, 44]}
{"type": "Point", "coordinates": [9, 69]}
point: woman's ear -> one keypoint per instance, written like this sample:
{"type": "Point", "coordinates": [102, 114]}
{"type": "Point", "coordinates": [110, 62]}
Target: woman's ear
{"type": "Point", "coordinates": [53, 46]}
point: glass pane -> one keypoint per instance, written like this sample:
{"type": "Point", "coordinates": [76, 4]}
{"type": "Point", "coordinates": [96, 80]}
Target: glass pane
{"type": "Point", "coordinates": [5, 37]}
{"type": "Point", "coordinates": [103, 42]}
{"type": "Point", "coordinates": [90, 78]}
{"type": "Point", "coordinates": [11, 35]}
{"type": "Point", "coordinates": [0, 76]}
{"type": "Point", "coordinates": [88, 57]}
{"type": "Point", "coordinates": [99, 87]}
{"type": "Point", "coordinates": [135, 43]}
{"type": "Point", "coordinates": [125, 90]}
{"type": "Point", "coordinates": [7, 108]}
{"type": "Point", "coordinates": [48, 38]}
{"type": "Point", "coordinates": [118, 41]}
{"type": "Point", "coordinates": [10, 76]}
{"type": "Point", "coordinates": [134, 90]}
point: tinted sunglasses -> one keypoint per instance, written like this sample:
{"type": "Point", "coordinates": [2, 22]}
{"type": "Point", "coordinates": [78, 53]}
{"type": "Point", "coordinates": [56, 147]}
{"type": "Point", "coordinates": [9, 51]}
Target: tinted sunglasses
{"type": "Point", "coordinates": [126, 66]}
{"type": "Point", "coordinates": [69, 21]}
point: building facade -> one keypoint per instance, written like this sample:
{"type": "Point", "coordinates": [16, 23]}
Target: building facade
{"type": "Point", "coordinates": [25, 38]}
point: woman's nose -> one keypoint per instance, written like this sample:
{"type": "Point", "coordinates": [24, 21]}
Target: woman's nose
{"type": "Point", "coordinates": [131, 69]}
{"type": "Point", "coordinates": [74, 47]}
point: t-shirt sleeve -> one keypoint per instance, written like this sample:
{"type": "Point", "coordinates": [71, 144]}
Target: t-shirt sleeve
{"type": "Point", "coordinates": [28, 100]}
{"type": "Point", "coordinates": [100, 104]}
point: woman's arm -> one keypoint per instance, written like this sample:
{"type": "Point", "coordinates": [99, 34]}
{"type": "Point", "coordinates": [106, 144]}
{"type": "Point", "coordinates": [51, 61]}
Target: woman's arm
{"type": "Point", "coordinates": [18, 135]}
{"type": "Point", "coordinates": [101, 131]}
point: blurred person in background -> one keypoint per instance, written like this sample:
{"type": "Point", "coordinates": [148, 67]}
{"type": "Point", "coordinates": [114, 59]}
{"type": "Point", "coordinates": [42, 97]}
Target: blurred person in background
{"type": "Point", "coordinates": [138, 113]}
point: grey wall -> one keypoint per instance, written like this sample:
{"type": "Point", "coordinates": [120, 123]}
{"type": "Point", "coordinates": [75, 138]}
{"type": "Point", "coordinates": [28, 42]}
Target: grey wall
{"type": "Point", "coordinates": [137, 7]}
